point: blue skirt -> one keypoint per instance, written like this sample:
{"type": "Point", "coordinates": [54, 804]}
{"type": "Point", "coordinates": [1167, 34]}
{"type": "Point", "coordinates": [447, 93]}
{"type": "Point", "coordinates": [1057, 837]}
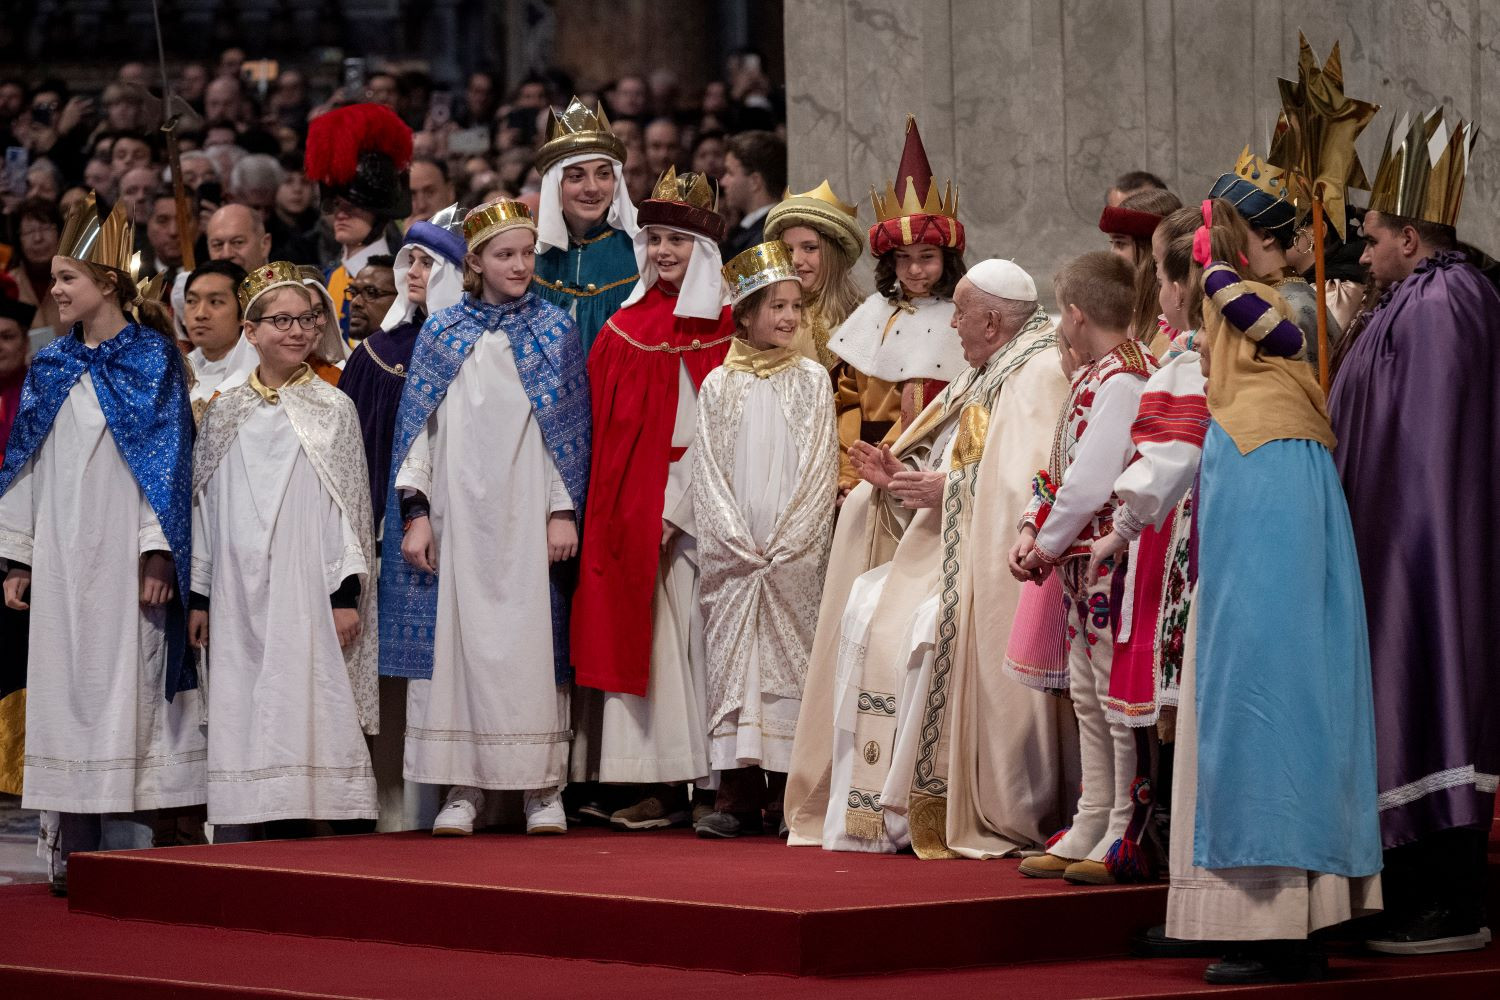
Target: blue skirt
{"type": "Point", "coordinates": [1286, 730]}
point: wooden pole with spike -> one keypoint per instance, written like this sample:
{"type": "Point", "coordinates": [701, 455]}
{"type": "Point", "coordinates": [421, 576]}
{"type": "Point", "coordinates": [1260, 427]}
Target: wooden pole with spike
{"type": "Point", "coordinates": [187, 225]}
{"type": "Point", "coordinates": [1321, 279]}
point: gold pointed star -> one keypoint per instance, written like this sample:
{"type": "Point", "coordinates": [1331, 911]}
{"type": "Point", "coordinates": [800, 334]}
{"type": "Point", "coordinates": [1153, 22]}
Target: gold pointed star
{"type": "Point", "coordinates": [1314, 140]}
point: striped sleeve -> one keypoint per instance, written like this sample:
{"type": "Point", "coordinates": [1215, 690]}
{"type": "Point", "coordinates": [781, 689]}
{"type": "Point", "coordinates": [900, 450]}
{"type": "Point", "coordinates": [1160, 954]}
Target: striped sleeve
{"type": "Point", "coordinates": [1250, 314]}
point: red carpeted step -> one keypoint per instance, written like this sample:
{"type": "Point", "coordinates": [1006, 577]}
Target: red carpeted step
{"type": "Point", "coordinates": [751, 906]}
{"type": "Point", "coordinates": [46, 951]}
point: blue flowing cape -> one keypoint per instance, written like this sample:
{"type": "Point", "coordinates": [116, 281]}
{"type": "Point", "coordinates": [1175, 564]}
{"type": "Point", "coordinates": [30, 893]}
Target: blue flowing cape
{"type": "Point", "coordinates": [141, 386]}
{"type": "Point", "coordinates": [549, 358]}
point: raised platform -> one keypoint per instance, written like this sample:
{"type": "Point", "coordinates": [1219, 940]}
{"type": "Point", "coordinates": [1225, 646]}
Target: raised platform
{"type": "Point", "coordinates": [668, 899]}
{"type": "Point", "coordinates": [407, 917]}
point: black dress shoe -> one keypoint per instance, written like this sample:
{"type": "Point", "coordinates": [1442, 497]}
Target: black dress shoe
{"type": "Point", "coordinates": [1432, 931]}
{"type": "Point", "coordinates": [1153, 942]}
{"type": "Point", "coordinates": [59, 886]}
{"type": "Point", "coordinates": [1278, 962]}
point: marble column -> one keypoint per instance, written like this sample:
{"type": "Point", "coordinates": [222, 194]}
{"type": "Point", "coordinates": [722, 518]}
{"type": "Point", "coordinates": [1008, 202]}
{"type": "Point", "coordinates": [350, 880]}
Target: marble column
{"type": "Point", "coordinates": [1035, 106]}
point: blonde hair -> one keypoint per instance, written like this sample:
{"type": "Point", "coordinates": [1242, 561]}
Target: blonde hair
{"type": "Point", "coordinates": [117, 285]}
{"type": "Point", "coordinates": [1157, 201]}
{"type": "Point", "coordinates": [835, 295]}
{"type": "Point", "coordinates": [1101, 284]}
{"type": "Point", "coordinates": [1229, 242]}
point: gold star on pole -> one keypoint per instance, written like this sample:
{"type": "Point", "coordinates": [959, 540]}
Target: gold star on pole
{"type": "Point", "coordinates": [1314, 140]}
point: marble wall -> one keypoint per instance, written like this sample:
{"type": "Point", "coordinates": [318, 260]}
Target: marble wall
{"type": "Point", "coordinates": [1034, 106]}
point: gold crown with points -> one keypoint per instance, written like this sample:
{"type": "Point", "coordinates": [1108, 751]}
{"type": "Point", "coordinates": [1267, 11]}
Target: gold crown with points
{"type": "Point", "coordinates": [268, 276]}
{"type": "Point", "coordinates": [914, 173]}
{"type": "Point", "coordinates": [108, 241]}
{"type": "Point", "coordinates": [761, 265]}
{"type": "Point", "coordinates": [1422, 170]}
{"type": "Point", "coordinates": [490, 220]}
{"type": "Point", "coordinates": [1271, 180]}
{"type": "Point", "coordinates": [689, 188]}
{"type": "Point", "coordinates": [578, 131]}
{"type": "Point", "coordinates": [822, 210]}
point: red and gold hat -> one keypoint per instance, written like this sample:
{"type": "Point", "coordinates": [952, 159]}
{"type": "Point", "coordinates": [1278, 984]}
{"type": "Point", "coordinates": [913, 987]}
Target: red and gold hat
{"type": "Point", "coordinates": [683, 201]}
{"type": "Point", "coordinates": [911, 212]}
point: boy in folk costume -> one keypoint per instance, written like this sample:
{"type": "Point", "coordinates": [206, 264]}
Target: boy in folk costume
{"type": "Point", "coordinates": [637, 637]}
{"type": "Point", "coordinates": [95, 524]}
{"type": "Point", "coordinates": [474, 608]}
{"type": "Point", "coordinates": [898, 348]}
{"type": "Point", "coordinates": [1275, 831]}
{"type": "Point", "coordinates": [1074, 504]}
{"type": "Point", "coordinates": [825, 240]}
{"type": "Point", "coordinates": [282, 518]}
{"type": "Point", "coordinates": [764, 487]}
{"type": "Point", "coordinates": [586, 262]}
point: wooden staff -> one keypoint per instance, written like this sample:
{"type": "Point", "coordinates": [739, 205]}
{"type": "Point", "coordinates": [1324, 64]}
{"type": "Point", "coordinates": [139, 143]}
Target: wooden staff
{"type": "Point", "coordinates": [187, 222]}
{"type": "Point", "coordinates": [1321, 281]}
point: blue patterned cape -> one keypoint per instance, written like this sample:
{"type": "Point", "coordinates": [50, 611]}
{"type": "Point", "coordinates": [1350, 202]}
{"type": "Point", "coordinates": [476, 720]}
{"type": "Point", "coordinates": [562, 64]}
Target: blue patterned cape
{"type": "Point", "coordinates": [141, 385]}
{"type": "Point", "coordinates": [550, 360]}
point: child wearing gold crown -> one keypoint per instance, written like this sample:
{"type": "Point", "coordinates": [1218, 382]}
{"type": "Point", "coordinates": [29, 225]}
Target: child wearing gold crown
{"type": "Point", "coordinates": [764, 485]}
{"type": "Point", "coordinates": [586, 224]}
{"type": "Point", "coordinates": [825, 240]}
{"type": "Point", "coordinates": [282, 514]}
{"type": "Point", "coordinates": [637, 633]}
{"type": "Point", "coordinates": [899, 349]}
{"type": "Point", "coordinates": [490, 471]}
{"type": "Point", "coordinates": [95, 531]}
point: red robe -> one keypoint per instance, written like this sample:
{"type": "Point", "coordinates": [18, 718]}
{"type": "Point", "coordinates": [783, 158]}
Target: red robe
{"type": "Point", "coordinates": [633, 376]}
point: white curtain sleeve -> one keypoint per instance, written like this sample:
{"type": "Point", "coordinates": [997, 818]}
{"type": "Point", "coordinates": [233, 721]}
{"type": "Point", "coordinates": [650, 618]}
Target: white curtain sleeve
{"type": "Point", "coordinates": [203, 546]}
{"type": "Point", "coordinates": [677, 506]}
{"type": "Point", "coordinates": [18, 517]}
{"type": "Point", "coordinates": [415, 474]}
{"type": "Point", "coordinates": [150, 536]}
{"type": "Point", "coordinates": [557, 490]}
{"type": "Point", "coordinates": [1103, 452]}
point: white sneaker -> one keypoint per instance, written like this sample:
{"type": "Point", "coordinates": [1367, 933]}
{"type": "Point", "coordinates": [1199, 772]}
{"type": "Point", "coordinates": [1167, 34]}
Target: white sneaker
{"type": "Point", "coordinates": [544, 811]}
{"type": "Point", "coordinates": [459, 810]}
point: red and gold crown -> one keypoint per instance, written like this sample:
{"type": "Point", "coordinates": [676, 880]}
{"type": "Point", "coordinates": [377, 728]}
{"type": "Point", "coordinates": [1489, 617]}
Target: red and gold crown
{"type": "Point", "coordinates": [911, 210]}
{"type": "Point", "coordinates": [683, 201]}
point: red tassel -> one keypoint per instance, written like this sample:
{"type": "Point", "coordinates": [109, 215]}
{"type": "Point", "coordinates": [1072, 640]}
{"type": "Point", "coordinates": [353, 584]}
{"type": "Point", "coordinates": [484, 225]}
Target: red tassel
{"type": "Point", "coordinates": [1127, 862]}
{"type": "Point", "coordinates": [336, 139]}
{"type": "Point", "coordinates": [1059, 835]}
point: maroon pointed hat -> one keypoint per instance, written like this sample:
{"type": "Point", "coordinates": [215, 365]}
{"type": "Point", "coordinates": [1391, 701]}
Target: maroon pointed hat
{"type": "Point", "coordinates": [912, 211]}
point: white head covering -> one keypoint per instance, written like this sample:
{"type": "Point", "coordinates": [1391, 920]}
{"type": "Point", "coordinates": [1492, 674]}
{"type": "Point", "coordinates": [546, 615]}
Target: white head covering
{"type": "Point", "coordinates": [445, 286]}
{"type": "Point", "coordinates": [1003, 278]}
{"type": "Point", "coordinates": [330, 347]}
{"type": "Point", "coordinates": [702, 293]}
{"type": "Point", "coordinates": [179, 302]}
{"type": "Point", "coordinates": [552, 228]}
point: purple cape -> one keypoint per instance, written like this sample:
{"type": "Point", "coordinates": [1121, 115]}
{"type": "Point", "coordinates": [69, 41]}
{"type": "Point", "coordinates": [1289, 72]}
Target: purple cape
{"type": "Point", "coordinates": [373, 377]}
{"type": "Point", "coordinates": [1416, 408]}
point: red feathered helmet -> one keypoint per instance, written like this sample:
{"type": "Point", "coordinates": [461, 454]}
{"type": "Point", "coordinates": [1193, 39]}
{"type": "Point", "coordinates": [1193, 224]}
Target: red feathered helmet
{"type": "Point", "coordinates": [361, 153]}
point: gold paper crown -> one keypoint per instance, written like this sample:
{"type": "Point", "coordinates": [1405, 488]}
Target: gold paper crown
{"type": "Point", "coordinates": [689, 188]}
{"type": "Point", "coordinates": [108, 242]}
{"type": "Point", "coordinates": [276, 274]}
{"type": "Point", "coordinates": [578, 130]}
{"type": "Point", "coordinates": [1271, 180]}
{"type": "Point", "coordinates": [822, 210]}
{"type": "Point", "coordinates": [755, 268]}
{"type": "Point", "coordinates": [1422, 172]}
{"type": "Point", "coordinates": [494, 218]}
{"type": "Point", "coordinates": [914, 174]}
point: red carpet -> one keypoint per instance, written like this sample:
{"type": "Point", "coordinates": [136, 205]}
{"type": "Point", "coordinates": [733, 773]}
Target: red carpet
{"type": "Point", "coordinates": [752, 906]}
{"type": "Point", "coordinates": [48, 952]}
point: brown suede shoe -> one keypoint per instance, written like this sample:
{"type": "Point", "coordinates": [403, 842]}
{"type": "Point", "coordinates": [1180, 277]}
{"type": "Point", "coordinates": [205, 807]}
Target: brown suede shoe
{"type": "Point", "coordinates": [1045, 866]}
{"type": "Point", "coordinates": [1088, 873]}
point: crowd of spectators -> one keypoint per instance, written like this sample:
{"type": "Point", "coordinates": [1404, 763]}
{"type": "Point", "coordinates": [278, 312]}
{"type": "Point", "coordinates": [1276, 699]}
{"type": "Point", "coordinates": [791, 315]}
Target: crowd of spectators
{"type": "Point", "coordinates": [240, 138]}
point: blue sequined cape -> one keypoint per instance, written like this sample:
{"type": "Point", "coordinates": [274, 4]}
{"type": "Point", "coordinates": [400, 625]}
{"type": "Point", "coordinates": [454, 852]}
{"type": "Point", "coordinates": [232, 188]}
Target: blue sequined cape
{"type": "Point", "coordinates": [544, 341]}
{"type": "Point", "coordinates": [141, 386]}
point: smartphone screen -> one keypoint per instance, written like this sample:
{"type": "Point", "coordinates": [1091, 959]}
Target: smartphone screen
{"type": "Point", "coordinates": [17, 159]}
{"type": "Point", "coordinates": [354, 78]}
{"type": "Point", "coordinates": [441, 109]}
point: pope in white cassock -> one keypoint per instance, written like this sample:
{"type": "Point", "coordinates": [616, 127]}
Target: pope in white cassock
{"type": "Point", "coordinates": [910, 732]}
